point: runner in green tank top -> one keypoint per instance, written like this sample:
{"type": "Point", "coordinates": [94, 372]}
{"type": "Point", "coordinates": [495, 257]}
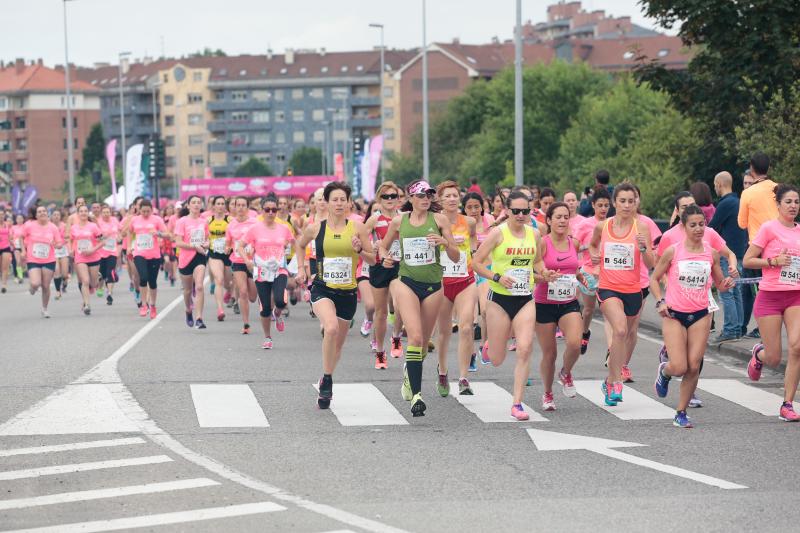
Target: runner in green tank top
{"type": "Point", "coordinates": [417, 292]}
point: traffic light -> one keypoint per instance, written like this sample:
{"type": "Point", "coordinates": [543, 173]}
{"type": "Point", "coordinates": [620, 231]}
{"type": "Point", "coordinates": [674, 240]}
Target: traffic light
{"type": "Point", "coordinates": [155, 149]}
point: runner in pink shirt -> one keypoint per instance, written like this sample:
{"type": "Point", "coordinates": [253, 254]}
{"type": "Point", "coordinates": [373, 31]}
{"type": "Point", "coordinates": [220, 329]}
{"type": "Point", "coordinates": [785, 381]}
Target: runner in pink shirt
{"type": "Point", "coordinates": [266, 242]}
{"type": "Point", "coordinates": [575, 220]}
{"type": "Point", "coordinates": [85, 243]}
{"type": "Point", "coordinates": [146, 231]}
{"type": "Point", "coordinates": [242, 276]}
{"type": "Point", "coordinates": [17, 233]}
{"type": "Point", "coordinates": [191, 237]}
{"type": "Point", "coordinates": [110, 227]}
{"type": "Point", "coordinates": [40, 238]}
{"type": "Point", "coordinates": [62, 274]}
{"type": "Point", "coordinates": [6, 253]}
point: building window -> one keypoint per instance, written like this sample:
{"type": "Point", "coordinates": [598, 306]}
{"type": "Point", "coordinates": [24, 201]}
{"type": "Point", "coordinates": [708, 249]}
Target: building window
{"type": "Point", "coordinates": [388, 112]}
{"type": "Point", "coordinates": [169, 161]}
{"type": "Point", "coordinates": [260, 95]}
{"type": "Point", "coordinates": [75, 143]}
{"type": "Point", "coordinates": [318, 115]}
{"type": "Point", "coordinates": [280, 138]}
{"type": "Point", "coordinates": [280, 116]}
{"type": "Point", "coordinates": [115, 121]}
{"type": "Point", "coordinates": [19, 123]}
{"type": "Point", "coordinates": [344, 68]}
{"type": "Point", "coordinates": [316, 93]}
{"type": "Point", "coordinates": [261, 116]}
{"type": "Point", "coordinates": [261, 138]}
{"type": "Point", "coordinates": [298, 115]}
{"type": "Point", "coordinates": [195, 140]}
{"type": "Point", "coordinates": [66, 167]}
{"type": "Point", "coordinates": [361, 91]}
{"type": "Point", "coordinates": [264, 158]}
{"type": "Point", "coordinates": [297, 94]}
{"type": "Point", "coordinates": [169, 99]}
{"type": "Point", "coordinates": [3, 103]}
{"type": "Point", "coordinates": [240, 116]}
{"type": "Point", "coordinates": [437, 84]}
{"type": "Point", "coordinates": [22, 165]}
{"type": "Point", "coordinates": [319, 136]}
{"type": "Point", "coordinates": [388, 133]}
{"type": "Point", "coordinates": [169, 140]}
{"type": "Point", "coordinates": [299, 137]}
{"type": "Point", "coordinates": [196, 160]}
{"type": "Point", "coordinates": [240, 139]}
{"type": "Point", "coordinates": [165, 78]}
{"type": "Point", "coordinates": [5, 146]}
{"type": "Point", "coordinates": [243, 72]}
{"type": "Point", "coordinates": [77, 165]}
{"type": "Point", "coordinates": [194, 98]}
{"type": "Point", "coordinates": [195, 119]}
{"type": "Point", "coordinates": [279, 95]}
{"type": "Point", "coordinates": [280, 157]}
{"type": "Point", "coordinates": [169, 120]}
{"type": "Point", "coordinates": [237, 159]}
{"type": "Point", "coordinates": [303, 70]}
{"type": "Point", "coordinates": [74, 122]}
{"type": "Point", "coordinates": [22, 144]}
{"type": "Point", "coordinates": [339, 93]}
{"type": "Point", "coordinates": [324, 70]}
{"type": "Point", "coordinates": [197, 76]}
{"type": "Point", "coordinates": [238, 96]}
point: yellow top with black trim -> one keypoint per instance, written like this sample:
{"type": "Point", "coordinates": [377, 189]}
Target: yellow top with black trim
{"type": "Point", "coordinates": [514, 257]}
{"type": "Point", "coordinates": [217, 227]}
{"type": "Point", "coordinates": [337, 261]}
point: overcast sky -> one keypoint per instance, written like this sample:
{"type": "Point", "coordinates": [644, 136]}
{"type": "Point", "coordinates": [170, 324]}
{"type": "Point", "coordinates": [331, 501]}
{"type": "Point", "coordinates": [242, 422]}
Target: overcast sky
{"type": "Point", "coordinates": [100, 29]}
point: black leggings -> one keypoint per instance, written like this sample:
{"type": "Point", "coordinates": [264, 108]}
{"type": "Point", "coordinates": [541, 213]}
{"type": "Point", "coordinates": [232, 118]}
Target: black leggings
{"type": "Point", "coordinates": [108, 269]}
{"type": "Point", "coordinates": [268, 290]}
{"type": "Point", "coordinates": [148, 271]}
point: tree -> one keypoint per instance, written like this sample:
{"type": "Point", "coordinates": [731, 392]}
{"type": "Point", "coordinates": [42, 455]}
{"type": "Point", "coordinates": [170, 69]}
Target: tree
{"type": "Point", "coordinates": [208, 52]}
{"type": "Point", "coordinates": [306, 161]}
{"type": "Point", "coordinates": [94, 151]}
{"type": "Point", "coordinates": [253, 168]}
{"type": "Point", "coordinates": [403, 169]}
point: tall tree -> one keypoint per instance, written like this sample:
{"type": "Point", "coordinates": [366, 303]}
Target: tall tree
{"type": "Point", "coordinates": [306, 161]}
{"type": "Point", "coordinates": [94, 151]}
{"type": "Point", "coordinates": [253, 168]}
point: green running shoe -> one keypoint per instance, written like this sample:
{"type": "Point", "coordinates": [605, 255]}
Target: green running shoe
{"type": "Point", "coordinates": [417, 405]}
{"type": "Point", "coordinates": [443, 386]}
{"type": "Point", "coordinates": [405, 390]}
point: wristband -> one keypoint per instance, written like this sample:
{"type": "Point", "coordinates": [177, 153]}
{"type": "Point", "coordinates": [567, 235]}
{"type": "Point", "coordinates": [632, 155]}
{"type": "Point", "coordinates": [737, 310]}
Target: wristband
{"type": "Point", "coordinates": [496, 278]}
{"type": "Point", "coordinates": [661, 301]}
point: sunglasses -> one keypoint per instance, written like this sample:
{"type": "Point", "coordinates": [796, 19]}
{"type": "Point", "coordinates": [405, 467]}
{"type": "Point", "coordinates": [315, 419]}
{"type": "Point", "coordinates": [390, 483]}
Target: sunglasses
{"type": "Point", "coordinates": [515, 211]}
{"type": "Point", "coordinates": [270, 209]}
{"type": "Point", "coordinates": [389, 196]}
{"type": "Point", "coordinates": [422, 195]}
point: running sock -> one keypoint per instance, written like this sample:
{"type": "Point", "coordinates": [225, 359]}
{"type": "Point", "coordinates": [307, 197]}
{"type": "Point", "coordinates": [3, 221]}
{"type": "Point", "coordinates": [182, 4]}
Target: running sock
{"type": "Point", "coordinates": [424, 351]}
{"type": "Point", "coordinates": [19, 272]}
{"type": "Point", "coordinates": [414, 368]}
{"type": "Point", "coordinates": [57, 282]}
{"type": "Point", "coordinates": [327, 377]}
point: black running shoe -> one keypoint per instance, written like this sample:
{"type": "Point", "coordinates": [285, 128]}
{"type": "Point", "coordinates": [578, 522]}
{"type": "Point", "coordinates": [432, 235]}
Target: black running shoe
{"type": "Point", "coordinates": [189, 320]}
{"type": "Point", "coordinates": [199, 324]}
{"type": "Point", "coordinates": [585, 341]}
{"type": "Point", "coordinates": [109, 300]}
{"type": "Point", "coordinates": [325, 392]}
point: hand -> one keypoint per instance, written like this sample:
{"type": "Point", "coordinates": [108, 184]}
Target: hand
{"type": "Point", "coordinates": [641, 241]}
{"type": "Point", "coordinates": [595, 257]}
{"type": "Point", "coordinates": [300, 278]}
{"type": "Point", "coordinates": [388, 262]}
{"type": "Point", "coordinates": [506, 282]}
{"type": "Point", "coordinates": [356, 242]}
{"type": "Point", "coordinates": [733, 270]}
{"type": "Point", "coordinates": [783, 259]}
{"type": "Point", "coordinates": [550, 275]}
{"type": "Point", "coordinates": [662, 309]}
{"type": "Point", "coordinates": [727, 284]}
{"type": "Point", "coordinates": [435, 239]}
{"type": "Point", "coordinates": [199, 249]}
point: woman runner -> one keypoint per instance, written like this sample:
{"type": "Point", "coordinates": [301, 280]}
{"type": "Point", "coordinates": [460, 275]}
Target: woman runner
{"type": "Point", "coordinates": [219, 261]}
{"type": "Point", "coordinates": [109, 227]}
{"type": "Point", "coordinates": [62, 257]}
{"type": "Point", "coordinates": [473, 207]}
{"type": "Point", "coordinates": [242, 277]}
{"type": "Point", "coordinates": [40, 238]}
{"type": "Point", "coordinates": [17, 236]}
{"type": "Point", "coordinates": [84, 238]}
{"type": "Point", "coordinates": [191, 237]}
{"type": "Point", "coordinates": [6, 253]}
{"type": "Point", "coordinates": [146, 230]}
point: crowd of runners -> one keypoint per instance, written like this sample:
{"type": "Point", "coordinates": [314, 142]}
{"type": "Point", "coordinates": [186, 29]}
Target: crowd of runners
{"type": "Point", "coordinates": [501, 272]}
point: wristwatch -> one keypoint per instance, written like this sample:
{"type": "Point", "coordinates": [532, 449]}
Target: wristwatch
{"type": "Point", "coordinates": [496, 278]}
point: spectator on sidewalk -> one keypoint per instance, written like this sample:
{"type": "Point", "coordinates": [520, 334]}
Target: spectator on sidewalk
{"type": "Point", "coordinates": [702, 197]}
{"type": "Point", "coordinates": [474, 187]}
{"type": "Point", "coordinates": [725, 223]}
{"type": "Point", "coordinates": [756, 207]}
{"type": "Point", "coordinates": [601, 179]}
{"type": "Point", "coordinates": [747, 180]}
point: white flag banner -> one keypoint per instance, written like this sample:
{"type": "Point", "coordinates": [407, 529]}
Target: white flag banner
{"type": "Point", "coordinates": [367, 188]}
{"type": "Point", "coordinates": [134, 180]}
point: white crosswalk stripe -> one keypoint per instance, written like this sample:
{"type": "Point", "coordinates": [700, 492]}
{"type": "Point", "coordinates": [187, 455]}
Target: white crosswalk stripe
{"type": "Point", "coordinates": [362, 404]}
{"type": "Point", "coordinates": [747, 396]}
{"type": "Point", "coordinates": [81, 467]}
{"type": "Point", "coordinates": [227, 406]}
{"type": "Point", "coordinates": [107, 443]}
{"type": "Point", "coordinates": [491, 403]}
{"type": "Point", "coordinates": [635, 406]}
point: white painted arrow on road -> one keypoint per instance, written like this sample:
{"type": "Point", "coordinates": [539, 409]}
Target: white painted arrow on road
{"type": "Point", "coordinates": [552, 441]}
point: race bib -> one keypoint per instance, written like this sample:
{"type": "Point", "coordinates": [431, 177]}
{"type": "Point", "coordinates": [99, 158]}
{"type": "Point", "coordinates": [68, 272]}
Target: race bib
{"type": "Point", "coordinates": [144, 241]}
{"type": "Point", "coordinates": [693, 275]}
{"type": "Point", "coordinates": [618, 256]}
{"type": "Point", "coordinates": [337, 270]}
{"type": "Point", "coordinates": [522, 281]}
{"type": "Point", "coordinates": [84, 245]}
{"type": "Point", "coordinates": [712, 303]}
{"type": "Point", "coordinates": [265, 269]}
{"type": "Point", "coordinates": [394, 251]}
{"type": "Point", "coordinates": [790, 274]}
{"type": "Point", "coordinates": [364, 270]}
{"type": "Point", "coordinates": [40, 250]}
{"type": "Point", "coordinates": [451, 269]}
{"type": "Point", "coordinates": [563, 289]}
{"type": "Point", "coordinates": [110, 244]}
{"type": "Point", "coordinates": [62, 252]}
{"type": "Point", "coordinates": [218, 245]}
{"type": "Point", "coordinates": [197, 237]}
{"type": "Point", "coordinates": [417, 251]}
{"type": "Point", "coordinates": [18, 243]}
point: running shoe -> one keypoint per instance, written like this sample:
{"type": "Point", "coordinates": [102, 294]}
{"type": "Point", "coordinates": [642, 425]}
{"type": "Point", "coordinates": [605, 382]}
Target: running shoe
{"type": "Point", "coordinates": [627, 376]}
{"type": "Point", "coordinates": [431, 346]}
{"type": "Point", "coordinates": [417, 405]}
{"type": "Point", "coordinates": [138, 297]}
{"type": "Point", "coordinates": [463, 387]}
{"type": "Point", "coordinates": [548, 403]}
{"type": "Point", "coordinates": [3, 290]}
{"type": "Point", "coordinates": [325, 392]}
{"type": "Point", "coordinates": [153, 312]}
{"type": "Point", "coordinates": [267, 344]}
{"type": "Point", "coordinates": [443, 386]}
{"type": "Point", "coordinates": [518, 412]}
{"type": "Point", "coordinates": [199, 324]}
{"type": "Point", "coordinates": [616, 395]}
{"type": "Point", "coordinates": [454, 327]}
{"type": "Point", "coordinates": [57, 297]}
{"type": "Point", "coordinates": [189, 320]}
{"type": "Point", "coordinates": [227, 298]}
{"type": "Point", "coordinates": [567, 385]}
{"type": "Point", "coordinates": [476, 332]}
{"type": "Point", "coordinates": [485, 354]}
{"type": "Point", "coordinates": [366, 328]}
{"type": "Point", "coordinates": [529, 382]}
{"type": "Point", "coordinates": [513, 346]}
{"type": "Point", "coordinates": [754, 366]}
{"type": "Point", "coordinates": [143, 310]}
{"type": "Point", "coordinates": [585, 341]}
{"type": "Point", "coordinates": [380, 361]}
{"type": "Point", "coordinates": [45, 313]}
{"type": "Point", "coordinates": [220, 314]}
{"type": "Point", "coordinates": [662, 382]}
{"type": "Point", "coordinates": [682, 421]}
{"type": "Point", "coordinates": [109, 300]}
{"type": "Point", "coordinates": [246, 329]}
{"type": "Point", "coordinates": [607, 394]}
{"type": "Point", "coordinates": [236, 310]}
{"type": "Point", "coordinates": [278, 318]}
{"type": "Point", "coordinates": [306, 296]}
{"type": "Point", "coordinates": [99, 292]}
{"type": "Point", "coordinates": [293, 298]}
{"type": "Point", "coordinates": [787, 413]}
{"type": "Point", "coordinates": [130, 287]}
{"type": "Point", "coordinates": [171, 282]}
{"type": "Point", "coordinates": [559, 333]}
{"type": "Point", "coordinates": [390, 319]}
{"type": "Point", "coordinates": [87, 310]}
{"type": "Point", "coordinates": [373, 345]}
{"type": "Point", "coordinates": [405, 389]}
{"type": "Point", "coordinates": [473, 362]}
{"type": "Point", "coordinates": [695, 402]}
{"type": "Point", "coordinates": [397, 347]}
{"type": "Point", "coordinates": [663, 356]}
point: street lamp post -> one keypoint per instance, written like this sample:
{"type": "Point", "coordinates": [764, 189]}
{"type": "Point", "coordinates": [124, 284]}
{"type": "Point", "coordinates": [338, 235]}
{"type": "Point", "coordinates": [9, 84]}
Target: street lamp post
{"type": "Point", "coordinates": [70, 153]}
{"type": "Point", "coordinates": [324, 149]}
{"type": "Point", "coordinates": [383, 71]}
{"type": "Point", "coordinates": [122, 56]}
{"type": "Point", "coordinates": [425, 139]}
{"type": "Point", "coordinates": [518, 134]}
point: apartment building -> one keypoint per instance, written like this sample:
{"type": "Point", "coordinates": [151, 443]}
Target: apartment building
{"type": "Point", "coordinates": [33, 104]}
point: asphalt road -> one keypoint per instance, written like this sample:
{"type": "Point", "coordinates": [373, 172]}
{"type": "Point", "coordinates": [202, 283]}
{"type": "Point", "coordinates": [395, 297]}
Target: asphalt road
{"type": "Point", "coordinates": [148, 440]}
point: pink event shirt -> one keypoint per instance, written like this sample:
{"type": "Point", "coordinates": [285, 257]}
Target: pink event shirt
{"type": "Point", "coordinates": [192, 231]}
{"type": "Point", "coordinates": [40, 242]}
{"type": "Point", "coordinates": [584, 234]}
{"type": "Point", "coordinates": [5, 236]}
{"type": "Point", "coordinates": [772, 238]}
{"type": "Point", "coordinates": [575, 223]}
{"type": "Point", "coordinates": [110, 230]}
{"type": "Point", "coordinates": [269, 244]}
{"type": "Point", "coordinates": [689, 278]}
{"type": "Point", "coordinates": [84, 238]}
{"type": "Point", "coordinates": [235, 232]}
{"type": "Point", "coordinates": [146, 243]}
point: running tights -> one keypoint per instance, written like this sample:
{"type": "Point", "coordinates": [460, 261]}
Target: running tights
{"type": "Point", "coordinates": [108, 269]}
{"type": "Point", "coordinates": [148, 271]}
{"type": "Point", "coordinates": [269, 290]}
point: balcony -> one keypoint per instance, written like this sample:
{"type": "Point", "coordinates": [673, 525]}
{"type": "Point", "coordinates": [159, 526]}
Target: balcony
{"type": "Point", "coordinates": [365, 122]}
{"type": "Point", "coordinates": [228, 125]}
{"type": "Point", "coordinates": [249, 105]}
{"type": "Point", "coordinates": [230, 147]}
{"type": "Point", "coordinates": [365, 101]}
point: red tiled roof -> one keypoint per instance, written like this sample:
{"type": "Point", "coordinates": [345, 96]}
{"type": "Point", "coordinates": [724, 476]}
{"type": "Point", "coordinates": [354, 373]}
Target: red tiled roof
{"type": "Point", "coordinates": [618, 54]}
{"type": "Point", "coordinates": [32, 78]}
{"type": "Point", "coordinates": [491, 58]}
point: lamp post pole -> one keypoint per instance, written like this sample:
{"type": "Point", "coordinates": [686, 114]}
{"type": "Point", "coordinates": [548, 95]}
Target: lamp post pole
{"type": "Point", "coordinates": [518, 132]}
{"type": "Point", "coordinates": [425, 139]}
{"type": "Point", "coordinates": [383, 72]}
{"type": "Point", "coordinates": [70, 148]}
{"type": "Point", "coordinates": [122, 136]}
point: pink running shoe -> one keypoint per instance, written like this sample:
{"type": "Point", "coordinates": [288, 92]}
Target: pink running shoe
{"type": "Point", "coordinates": [568, 386]}
{"type": "Point", "coordinates": [627, 376]}
{"type": "Point", "coordinates": [153, 313]}
{"type": "Point", "coordinates": [279, 325]}
{"type": "Point", "coordinates": [548, 403]}
{"type": "Point", "coordinates": [518, 412]}
{"type": "Point", "coordinates": [143, 310]}
{"type": "Point", "coordinates": [373, 345]}
{"type": "Point", "coordinates": [267, 344]}
{"type": "Point", "coordinates": [754, 366]}
{"type": "Point", "coordinates": [559, 333]}
{"type": "Point", "coordinates": [787, 413]}
{"type": "Point", "coordinates": [227, 298]}
{"type": "Point", "coordinates": [397, 347]}
{"type": "Point", "coordinates": [485, 353]}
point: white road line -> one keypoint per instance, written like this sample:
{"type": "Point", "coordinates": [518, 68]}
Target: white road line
{"type": "Point", "coordinates": [745, 395]}
{"type": "Point", "coordinates": [162, 519]}
{"type": "Point", "coordinates": [81, 467]}
{"type": "Point", "coordinates": [227, 406]}
{"type": "Point", "coordinates": [362, 404]}
{"type": "Point", "coordinates": [99, 494]}
{"type": "Point", "coordinates": [72, 446]}
{"type": "Point", "coordinates": [491, 403]}
{"type": "Point", "coordinates": [636, 406]}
